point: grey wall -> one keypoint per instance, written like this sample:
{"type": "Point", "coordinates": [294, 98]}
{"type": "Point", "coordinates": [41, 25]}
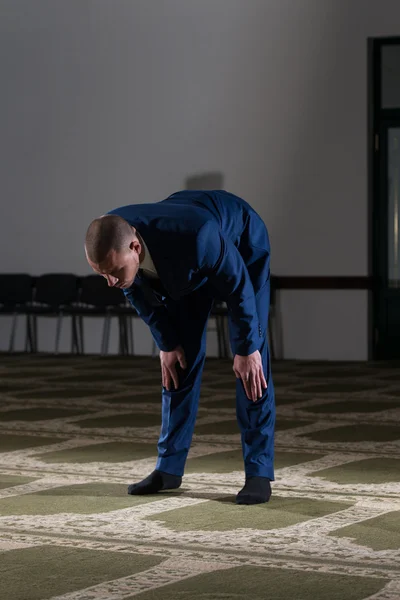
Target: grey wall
{"type": "Point", "coordinates": [106, 102]}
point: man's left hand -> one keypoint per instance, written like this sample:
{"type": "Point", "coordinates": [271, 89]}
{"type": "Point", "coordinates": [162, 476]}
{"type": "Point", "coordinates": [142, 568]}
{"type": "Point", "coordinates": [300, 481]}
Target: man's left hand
{"type": "Point", "coordinates": [250, 370]}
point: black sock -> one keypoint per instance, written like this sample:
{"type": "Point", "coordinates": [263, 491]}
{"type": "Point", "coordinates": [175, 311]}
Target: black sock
{"type": "Point", "coordinates": [156, 481]}
{"type": "Point", "coordinates": [256, 491]}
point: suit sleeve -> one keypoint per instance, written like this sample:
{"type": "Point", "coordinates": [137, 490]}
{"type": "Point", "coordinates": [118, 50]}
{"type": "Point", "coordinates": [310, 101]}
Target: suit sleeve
{"type": "Point", "coordinates": [155, 316]}
{"type": "Point", "coordinates": [228, 275]}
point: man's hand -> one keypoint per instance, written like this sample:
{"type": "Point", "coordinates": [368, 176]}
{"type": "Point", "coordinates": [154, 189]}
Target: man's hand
{"type": "Point", "coordinates": [250, 370]}
{"type": "Point", "coordinates": [168, 369]}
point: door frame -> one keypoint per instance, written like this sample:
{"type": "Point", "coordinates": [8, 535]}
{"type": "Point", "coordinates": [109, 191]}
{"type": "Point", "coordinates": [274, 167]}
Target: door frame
{"type": "Point", "coordinates": [379, 120]}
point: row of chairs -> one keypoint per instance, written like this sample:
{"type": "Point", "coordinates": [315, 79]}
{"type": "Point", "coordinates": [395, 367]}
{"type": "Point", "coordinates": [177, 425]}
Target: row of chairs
{"type": "Point", "coordinates": [64, 294]}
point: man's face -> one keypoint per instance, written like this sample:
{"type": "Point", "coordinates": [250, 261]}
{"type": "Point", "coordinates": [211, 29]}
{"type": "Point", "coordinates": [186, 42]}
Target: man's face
{"type": "Point", "coordinates": [119, 268]}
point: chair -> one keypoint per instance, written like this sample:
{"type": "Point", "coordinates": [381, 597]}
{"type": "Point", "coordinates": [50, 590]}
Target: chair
{"type": "Point", "coordinates": [272, 320]}
{"type": "Point", "coordinates": [219, 312]}
{"type": "Point", "coordinates": [97, 299]}
{"type": "Point", "coordinates": [15, 295]}
{"type": "Point", "coordinates": [54, 294]}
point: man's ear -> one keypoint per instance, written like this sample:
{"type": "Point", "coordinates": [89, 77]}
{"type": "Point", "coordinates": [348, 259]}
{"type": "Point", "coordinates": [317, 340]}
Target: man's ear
{"type": "Point", "coordinates": [135, 244]}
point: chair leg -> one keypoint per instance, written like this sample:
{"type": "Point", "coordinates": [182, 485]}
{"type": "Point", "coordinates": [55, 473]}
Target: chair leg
{"type": "Point", "coordinates": [219, 335]}
{"type": "Point", "coordinates": [103, 337]}
{"type": "Point", "coordinates": [74, 341]}
{"type": "Point", "coordinates": [73, 336]}
{"type": "Point", "coordinates": [75, 346]}
{"type": "Point", "coordinates": [126, 321]}
{"type": "Point", "coordinates": [271, 337]}
{"type": "Point", "coordinates": [28, 334]}
{"type": "Point", "coordinates": [131, 347]}
{"type": "Point", "coordinates": [35, 333]}
{"type": "Point", "coordinates": [81, 334]}
{"type": "Point", "coordinates": [31, 334]}
{"type": "Point", "coordinates": [125, 333]}
{"type": "Point", "coordinates": [106, 335]}
{"type": "Point", "coordinates": [13, 330]}
{"type": "Point", "coordinates": [58, 332]}
{"type": "Point", "coordinates": [121, 335]}
{"type": "Point", "coordinates": [225, 337]}
{"type": "Point", "coordinates": [275, 330]}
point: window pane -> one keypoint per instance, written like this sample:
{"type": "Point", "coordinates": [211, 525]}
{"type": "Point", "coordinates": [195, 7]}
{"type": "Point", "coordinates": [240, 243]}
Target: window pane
{"type": "Point", "coordinates": [393, 206]}
{"type": "Point", "coordinates": [390, 70]}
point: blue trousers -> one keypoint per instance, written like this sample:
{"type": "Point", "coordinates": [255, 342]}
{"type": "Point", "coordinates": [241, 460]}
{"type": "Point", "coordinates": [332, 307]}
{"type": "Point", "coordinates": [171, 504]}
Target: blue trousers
{"type": "Point", "coordinates": [179, 407]}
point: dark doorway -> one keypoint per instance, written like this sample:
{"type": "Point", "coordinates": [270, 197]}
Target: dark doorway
{"type": "Point", "coordinates": [384, 191]}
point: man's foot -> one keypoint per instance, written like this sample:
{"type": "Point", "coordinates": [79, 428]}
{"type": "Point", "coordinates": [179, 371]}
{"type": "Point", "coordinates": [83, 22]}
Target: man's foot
{"type": "Point", "coordinates": [256, 491]}
{"type": "Point", "coordinates": [156, 481]}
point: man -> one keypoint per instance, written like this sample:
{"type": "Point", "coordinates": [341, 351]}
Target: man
{"type": "Point", "coordinates": [172, 259]}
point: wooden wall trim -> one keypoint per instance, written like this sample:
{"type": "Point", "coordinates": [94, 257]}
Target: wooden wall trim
{"type": "Point", "coordinates": [317, 282]}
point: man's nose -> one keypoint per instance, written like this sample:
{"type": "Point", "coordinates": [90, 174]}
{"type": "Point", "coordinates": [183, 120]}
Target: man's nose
{"type": "Point", "coordinates": [111, 280]}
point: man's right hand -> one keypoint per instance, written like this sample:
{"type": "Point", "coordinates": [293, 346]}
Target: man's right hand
{"type": "Point", "coordinates": [168, 369]}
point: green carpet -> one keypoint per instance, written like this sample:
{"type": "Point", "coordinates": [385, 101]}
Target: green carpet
{"type": "Point", "coordinates": [75, 431]}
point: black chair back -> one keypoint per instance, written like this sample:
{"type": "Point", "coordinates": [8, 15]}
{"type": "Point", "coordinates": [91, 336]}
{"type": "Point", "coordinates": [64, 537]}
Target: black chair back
{"type": "Point", "coordinates": [96, 292]}
{"type": "Point", "coordinates": [57, 289]}
{"type": "Point", "coordinates": [15, 289]}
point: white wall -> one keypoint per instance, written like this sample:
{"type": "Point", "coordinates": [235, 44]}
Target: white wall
{"type": "Point", "coordinates": [107, 102]}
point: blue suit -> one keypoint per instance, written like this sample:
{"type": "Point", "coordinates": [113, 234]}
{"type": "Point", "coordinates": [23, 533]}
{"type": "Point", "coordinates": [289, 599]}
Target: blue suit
{"type": "Point", "coordinates": [205, 246]}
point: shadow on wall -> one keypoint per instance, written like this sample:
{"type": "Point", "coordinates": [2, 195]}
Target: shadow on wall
{"type": "Point", "coordinates": [205, 181]}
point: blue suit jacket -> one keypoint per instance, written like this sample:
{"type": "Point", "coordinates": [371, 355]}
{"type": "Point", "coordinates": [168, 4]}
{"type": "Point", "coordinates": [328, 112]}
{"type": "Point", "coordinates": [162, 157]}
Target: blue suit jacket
{"type": "Point", "coordinates": [195, 239]}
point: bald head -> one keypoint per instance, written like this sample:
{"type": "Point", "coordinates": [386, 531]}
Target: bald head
{"type": "Point", "coordinates": [110, 232]}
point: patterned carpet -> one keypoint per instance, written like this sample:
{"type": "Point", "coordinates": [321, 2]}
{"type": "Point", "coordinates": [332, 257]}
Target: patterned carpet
{"type": "Point", "coordinates": [76, 431]}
